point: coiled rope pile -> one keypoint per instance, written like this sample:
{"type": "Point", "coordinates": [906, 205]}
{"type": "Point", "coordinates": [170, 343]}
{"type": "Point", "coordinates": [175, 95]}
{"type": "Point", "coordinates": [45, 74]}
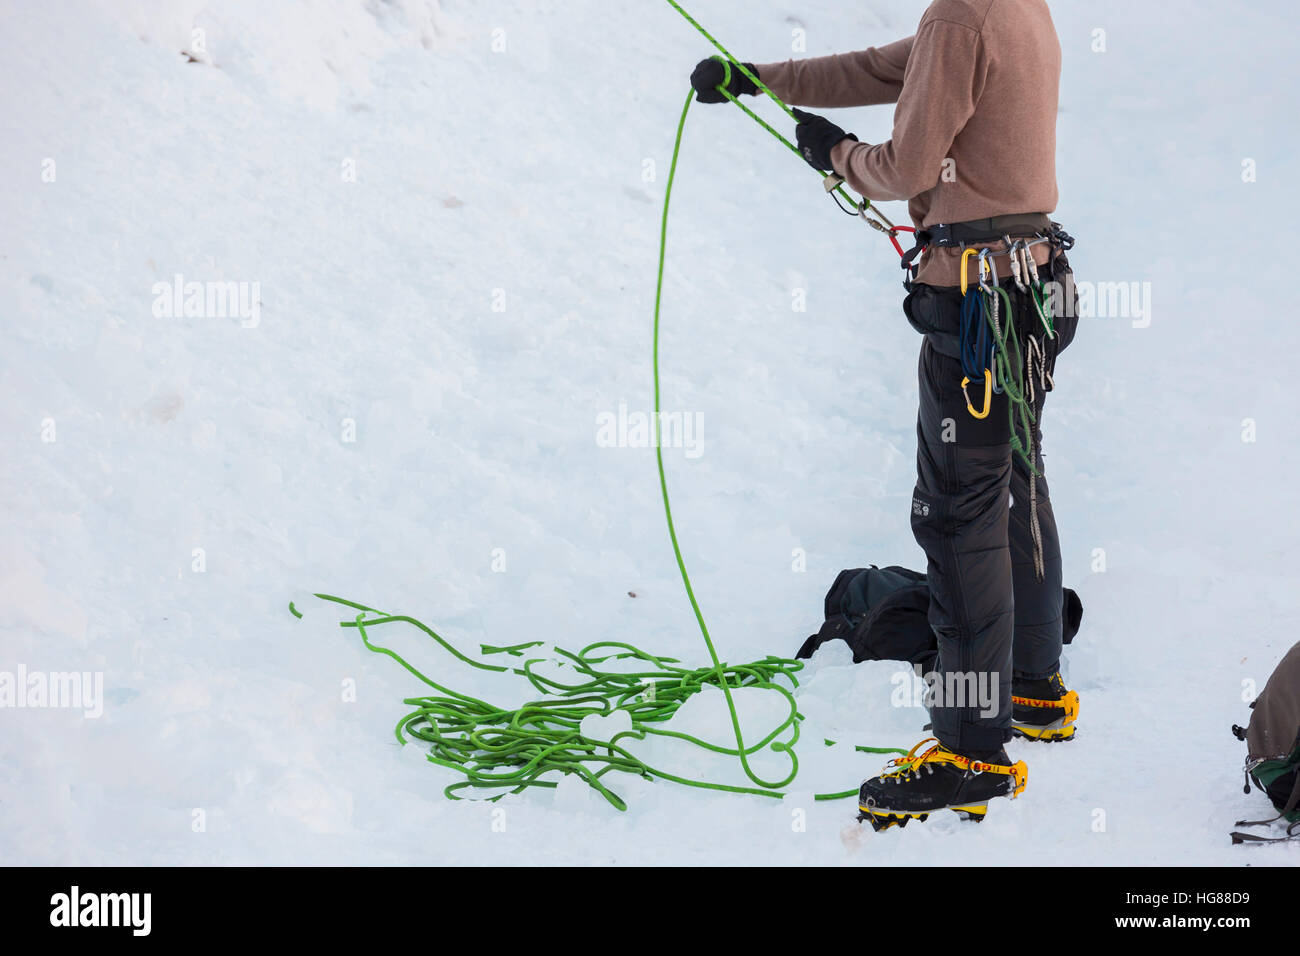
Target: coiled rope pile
{"type": "Point", "coordinates": [508, 750]}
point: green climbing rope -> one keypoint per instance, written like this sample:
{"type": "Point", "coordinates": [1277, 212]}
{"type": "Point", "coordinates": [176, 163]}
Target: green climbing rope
{"type": "Point", "coordinates": [510, 750]}
{"type": "Point", "coordinates": [787, 748]}
{"type": "Point", "coordinates": [728, 61]}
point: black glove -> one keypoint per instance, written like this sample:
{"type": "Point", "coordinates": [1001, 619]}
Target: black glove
{"type": "Point", "coordinates": [708, 76]}
{"type": "Point", "coordinates": [817, 136]}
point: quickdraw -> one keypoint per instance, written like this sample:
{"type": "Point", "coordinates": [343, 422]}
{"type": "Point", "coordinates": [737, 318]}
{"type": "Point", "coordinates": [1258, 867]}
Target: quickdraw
{"type": "Point", "coordinates": [882, 224]}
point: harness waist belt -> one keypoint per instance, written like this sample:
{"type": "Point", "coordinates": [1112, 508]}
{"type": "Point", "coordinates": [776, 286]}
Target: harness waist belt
{"type": "Point", "coordinates": [1017, 226]}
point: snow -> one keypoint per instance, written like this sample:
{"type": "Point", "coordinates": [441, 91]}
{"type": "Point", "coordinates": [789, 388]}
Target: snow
{"type": "Point", "coordinates": [445, 209]}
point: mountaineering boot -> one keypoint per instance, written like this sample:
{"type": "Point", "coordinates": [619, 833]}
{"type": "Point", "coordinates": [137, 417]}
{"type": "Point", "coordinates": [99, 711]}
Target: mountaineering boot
{"type": "Point", "coordinates": [939, 779]}
{"type": "Point", "coordinates": [1043, 709]}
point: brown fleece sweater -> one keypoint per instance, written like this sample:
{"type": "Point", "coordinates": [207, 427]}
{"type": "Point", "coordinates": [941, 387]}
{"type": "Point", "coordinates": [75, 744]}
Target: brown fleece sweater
{"type": "Point", "coordinates": [975, 126]}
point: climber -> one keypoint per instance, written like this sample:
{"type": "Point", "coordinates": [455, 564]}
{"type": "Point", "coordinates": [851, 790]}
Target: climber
{"type": "Point", "coordinates": [973, 153]}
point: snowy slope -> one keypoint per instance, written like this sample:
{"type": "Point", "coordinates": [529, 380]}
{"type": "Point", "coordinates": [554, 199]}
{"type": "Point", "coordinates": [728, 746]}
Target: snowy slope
{"type": "Point", "coordinates": [445, 209]}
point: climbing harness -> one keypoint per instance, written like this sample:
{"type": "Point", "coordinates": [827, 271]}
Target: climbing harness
{"type": "Point", "coordinates": [1033, 228]}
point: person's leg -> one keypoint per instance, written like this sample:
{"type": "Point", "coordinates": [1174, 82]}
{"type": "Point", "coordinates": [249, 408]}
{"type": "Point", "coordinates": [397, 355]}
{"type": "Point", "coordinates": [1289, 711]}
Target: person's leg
{"type": "Point", "coordinates": [1035, 544]}
{"type": "Point", "coordinates": [959, 516]}
{"type": "Point", "coordinates": [1036, 572]}
{"type": "Point", "coordinates": [1042, 707]}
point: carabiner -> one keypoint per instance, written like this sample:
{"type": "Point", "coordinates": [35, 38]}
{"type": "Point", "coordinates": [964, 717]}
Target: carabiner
{"type": "Point", "coordinates": [1015, 249]}
{"type": "Point", "coordinates": [988, 395]}
{"type": "Point", "coordinates": [1030, 264]}
{"type": "Point", "coordinates": [987, 265]}
{"type": "Point", "coordinates": [966, 254]}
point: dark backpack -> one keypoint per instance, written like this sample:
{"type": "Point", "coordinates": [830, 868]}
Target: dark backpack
{"type": "Point", "coordinates": [883, 615]}
{"type": "Point", "coordinates": [1273, 748]}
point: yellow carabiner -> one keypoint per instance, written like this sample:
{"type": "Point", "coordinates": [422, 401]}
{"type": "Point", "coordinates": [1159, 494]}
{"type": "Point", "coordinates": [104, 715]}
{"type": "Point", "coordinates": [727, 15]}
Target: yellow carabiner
{"type": "Point", "coordinates": [988, 395]}
{"type": "Point", "coordinates": [964, 256]}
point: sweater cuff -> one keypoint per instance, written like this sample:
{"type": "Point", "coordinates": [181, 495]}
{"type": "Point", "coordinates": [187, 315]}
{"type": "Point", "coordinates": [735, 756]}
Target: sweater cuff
{"type": "Point", "coordinates": [840, 156]}
{"type": "Point", "coordinates": [776, 77]}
